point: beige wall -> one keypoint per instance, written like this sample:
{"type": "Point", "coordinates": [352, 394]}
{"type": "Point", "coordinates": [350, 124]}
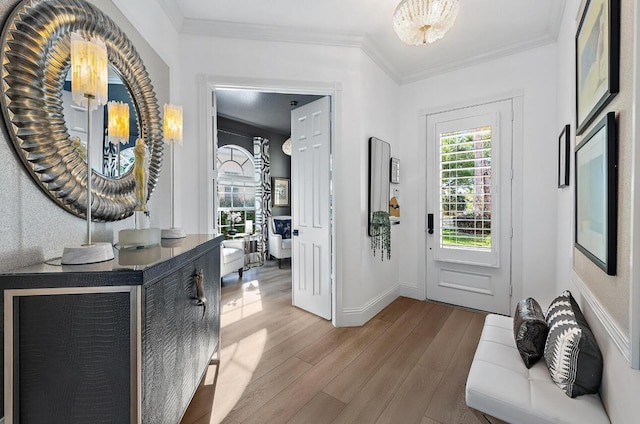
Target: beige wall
{"type": "Point", "coordinates": [612, 292]}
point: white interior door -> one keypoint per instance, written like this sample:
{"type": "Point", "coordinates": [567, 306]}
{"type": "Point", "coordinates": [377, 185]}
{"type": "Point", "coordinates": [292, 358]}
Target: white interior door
{"type": "Point", "coordinates": [469, 206]}
{"type": "Point", "coordinates": [310, 172]}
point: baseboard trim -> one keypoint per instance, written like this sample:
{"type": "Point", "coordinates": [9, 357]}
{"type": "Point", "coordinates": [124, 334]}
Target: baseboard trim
{"type": "Point", "coordinates": [409, 291]}
{"type": "Point", "coordinates": [620, 339]}
{"type": "Point", "coordinates": [355, 317]}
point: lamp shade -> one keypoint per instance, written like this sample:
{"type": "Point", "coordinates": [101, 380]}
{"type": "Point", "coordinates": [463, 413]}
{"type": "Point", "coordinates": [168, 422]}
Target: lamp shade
{"type": "Point", "coordinates": [172, 124]}
{"type": "Point", "coordinates": [89, 71]}
{"type": "Point", "coordinates": [118, 122]}
{"type": "Point", "coordinates": [418, 22]}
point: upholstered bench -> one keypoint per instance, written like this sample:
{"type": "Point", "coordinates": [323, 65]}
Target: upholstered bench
{"type": "Point", "coordinates": [500, 386]}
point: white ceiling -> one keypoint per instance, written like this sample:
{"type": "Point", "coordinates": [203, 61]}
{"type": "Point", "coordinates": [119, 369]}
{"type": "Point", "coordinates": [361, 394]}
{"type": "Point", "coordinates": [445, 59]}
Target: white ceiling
{"type": "Point", "coordinates": [484, 30]}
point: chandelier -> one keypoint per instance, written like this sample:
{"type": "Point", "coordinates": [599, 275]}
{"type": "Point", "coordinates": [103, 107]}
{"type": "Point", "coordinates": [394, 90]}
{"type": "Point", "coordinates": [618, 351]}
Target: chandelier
{"type": "Point", "coordinates": [419, 22]}
{"type": "Point", "coordinates": [286, 147]}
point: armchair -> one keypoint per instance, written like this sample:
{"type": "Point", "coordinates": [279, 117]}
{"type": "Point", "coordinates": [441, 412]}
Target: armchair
{"type": "Point", "coordinates": [232, 257]}
{"type": "Point", "coordinates": [280, 237]}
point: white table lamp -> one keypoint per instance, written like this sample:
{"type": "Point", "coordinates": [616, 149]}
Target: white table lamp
{"type": "Point", "coordinates": [89, 88]}
{"type": "Point", "coordinates": [172, 131]}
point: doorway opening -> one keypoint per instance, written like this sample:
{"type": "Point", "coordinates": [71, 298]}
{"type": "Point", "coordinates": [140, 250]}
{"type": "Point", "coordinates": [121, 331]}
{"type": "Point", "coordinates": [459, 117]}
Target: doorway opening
{"type": "Point", "coordinates": [246, 120]}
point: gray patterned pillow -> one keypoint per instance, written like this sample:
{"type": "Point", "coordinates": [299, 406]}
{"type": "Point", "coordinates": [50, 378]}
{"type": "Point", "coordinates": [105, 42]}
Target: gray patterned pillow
{"type": "Point", "coordinates": [571, 351]}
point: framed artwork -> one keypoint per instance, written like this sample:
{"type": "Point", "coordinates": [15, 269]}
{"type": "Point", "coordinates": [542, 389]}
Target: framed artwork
{"type": "Point", "coordinates": [596, 195]}
{"type": "Point", "coordinates": [280, 191]}
{"type": "Point", "coordinates": [564, 157]}
{"type": "Point", "coordinates": [597, 59]}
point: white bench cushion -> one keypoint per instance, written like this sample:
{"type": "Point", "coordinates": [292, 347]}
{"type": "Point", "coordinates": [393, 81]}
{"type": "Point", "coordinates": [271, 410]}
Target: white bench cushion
{"type": "Point", "coordinates": [500, 385]}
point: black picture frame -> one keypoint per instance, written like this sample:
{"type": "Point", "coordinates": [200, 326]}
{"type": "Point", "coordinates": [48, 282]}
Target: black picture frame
{"type": "Point", "coordinates": [597, 59]}
{"type": "Point", "coordinates": [596, 200]}
{"type": "Point", "coordinates": [564, 157]}
{"type": "Point", "coordinates": [280, 192]}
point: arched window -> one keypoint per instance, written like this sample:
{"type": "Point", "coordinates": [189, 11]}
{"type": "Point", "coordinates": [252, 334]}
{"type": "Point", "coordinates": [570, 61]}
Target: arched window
{"type": "Point", "coordinates": [236, 189]}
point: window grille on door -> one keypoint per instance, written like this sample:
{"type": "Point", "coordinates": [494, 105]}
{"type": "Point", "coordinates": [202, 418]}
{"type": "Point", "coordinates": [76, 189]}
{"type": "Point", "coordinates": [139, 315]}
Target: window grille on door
{"type": "Point", "coordinates": [465, 189]}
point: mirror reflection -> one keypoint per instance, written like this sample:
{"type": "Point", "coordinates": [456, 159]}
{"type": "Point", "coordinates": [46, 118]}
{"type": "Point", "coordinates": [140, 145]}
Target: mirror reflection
{"type": "Point", "coordinates": [379, 159]}
{"type": "Point", "coordinates": [104, 152]}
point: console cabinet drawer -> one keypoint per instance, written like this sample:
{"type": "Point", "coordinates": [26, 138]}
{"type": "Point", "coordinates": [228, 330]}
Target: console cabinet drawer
{"type": "Point", "coordinates": [178, 339]}
{"type": "Point", "coordinates": [71, 357]}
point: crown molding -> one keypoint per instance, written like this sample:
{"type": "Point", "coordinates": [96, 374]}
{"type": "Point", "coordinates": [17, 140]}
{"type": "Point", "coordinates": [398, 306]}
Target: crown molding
{"type": "Point", "coordinates": [269, 33]}
{"type": "Point", "coordinates": [555, 17]}
{"type": "Point", "coordinates": [173, 12]}
{"type": "Point", "coordinates": [222, 29]}
{"type": "Point", "coordinates": [374, 53]}
{"type": "Point", "coordinates": [233, 30]}
{"type": "Point", "coordinates": [478, 59]}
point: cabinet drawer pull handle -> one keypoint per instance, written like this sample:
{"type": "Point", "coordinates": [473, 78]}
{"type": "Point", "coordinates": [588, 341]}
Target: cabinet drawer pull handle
{"type": "Point", "coordinates": [200, 297]}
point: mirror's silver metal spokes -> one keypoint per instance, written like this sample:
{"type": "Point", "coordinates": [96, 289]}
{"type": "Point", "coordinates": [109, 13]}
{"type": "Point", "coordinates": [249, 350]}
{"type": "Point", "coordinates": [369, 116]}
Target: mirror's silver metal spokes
{"type": "Point", "coordinates": [35, 61]}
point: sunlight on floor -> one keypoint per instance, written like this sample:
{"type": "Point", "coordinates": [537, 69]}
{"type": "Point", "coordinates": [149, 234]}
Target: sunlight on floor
{"type": "Point", "coordinates": [238, 361]}
{"type": "Point", "coordinates": [237, 364]}
{"type": "Point", "coordinates": [245, 303]}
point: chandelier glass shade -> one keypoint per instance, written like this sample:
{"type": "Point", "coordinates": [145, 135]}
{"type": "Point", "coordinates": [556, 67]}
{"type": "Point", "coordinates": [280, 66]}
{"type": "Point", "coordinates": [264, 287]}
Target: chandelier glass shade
{"type": "Point", "coordinates": [418, 22]}
{"type": "Point", "coordinates": [286, 147]}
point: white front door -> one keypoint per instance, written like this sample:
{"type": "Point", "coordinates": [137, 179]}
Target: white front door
{"type": "Point", "coordinates": [469, 206]}
{"type": "Point", "coordinates": [310, 179]}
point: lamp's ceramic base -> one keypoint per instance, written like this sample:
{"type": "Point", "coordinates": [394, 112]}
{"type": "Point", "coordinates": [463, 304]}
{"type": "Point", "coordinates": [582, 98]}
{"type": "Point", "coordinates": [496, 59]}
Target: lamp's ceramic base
{"type": "Point", "coordinates": [87, 254]}
{"type": "Point", "coordinates": [173, 233]}
{"type": "Point", "coordinates": [145, 237]}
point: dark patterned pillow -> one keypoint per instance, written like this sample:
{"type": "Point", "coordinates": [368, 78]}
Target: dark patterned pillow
{"type": "Point", "coordinates": [530, 331]}
{"type": "Point", "coordinates": [571, 351]}
{"type": "Point", "coordinates": [283, 227]}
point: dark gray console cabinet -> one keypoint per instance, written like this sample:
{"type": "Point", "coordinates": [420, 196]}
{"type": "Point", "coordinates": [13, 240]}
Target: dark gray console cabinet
{"type": "Point", "coordinates": [125, 341]}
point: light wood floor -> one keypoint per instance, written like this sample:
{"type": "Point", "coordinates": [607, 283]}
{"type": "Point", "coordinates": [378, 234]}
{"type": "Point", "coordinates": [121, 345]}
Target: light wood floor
{"type": "Point", "coordinates": [280, 364]}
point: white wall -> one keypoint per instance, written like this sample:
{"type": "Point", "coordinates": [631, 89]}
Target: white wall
{"type": "Point", "coordinates": [379, 105]}
{"type": "Point", "coordinates": [531, 74]}
{"type": "Point", "coordinates": [360, 114]}
{"type": "Point", "coordinates": [150, 20]}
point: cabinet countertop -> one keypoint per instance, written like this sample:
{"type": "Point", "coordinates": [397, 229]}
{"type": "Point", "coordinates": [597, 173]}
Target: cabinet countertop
{"type": "Point", "coordinates": [129, 267]}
